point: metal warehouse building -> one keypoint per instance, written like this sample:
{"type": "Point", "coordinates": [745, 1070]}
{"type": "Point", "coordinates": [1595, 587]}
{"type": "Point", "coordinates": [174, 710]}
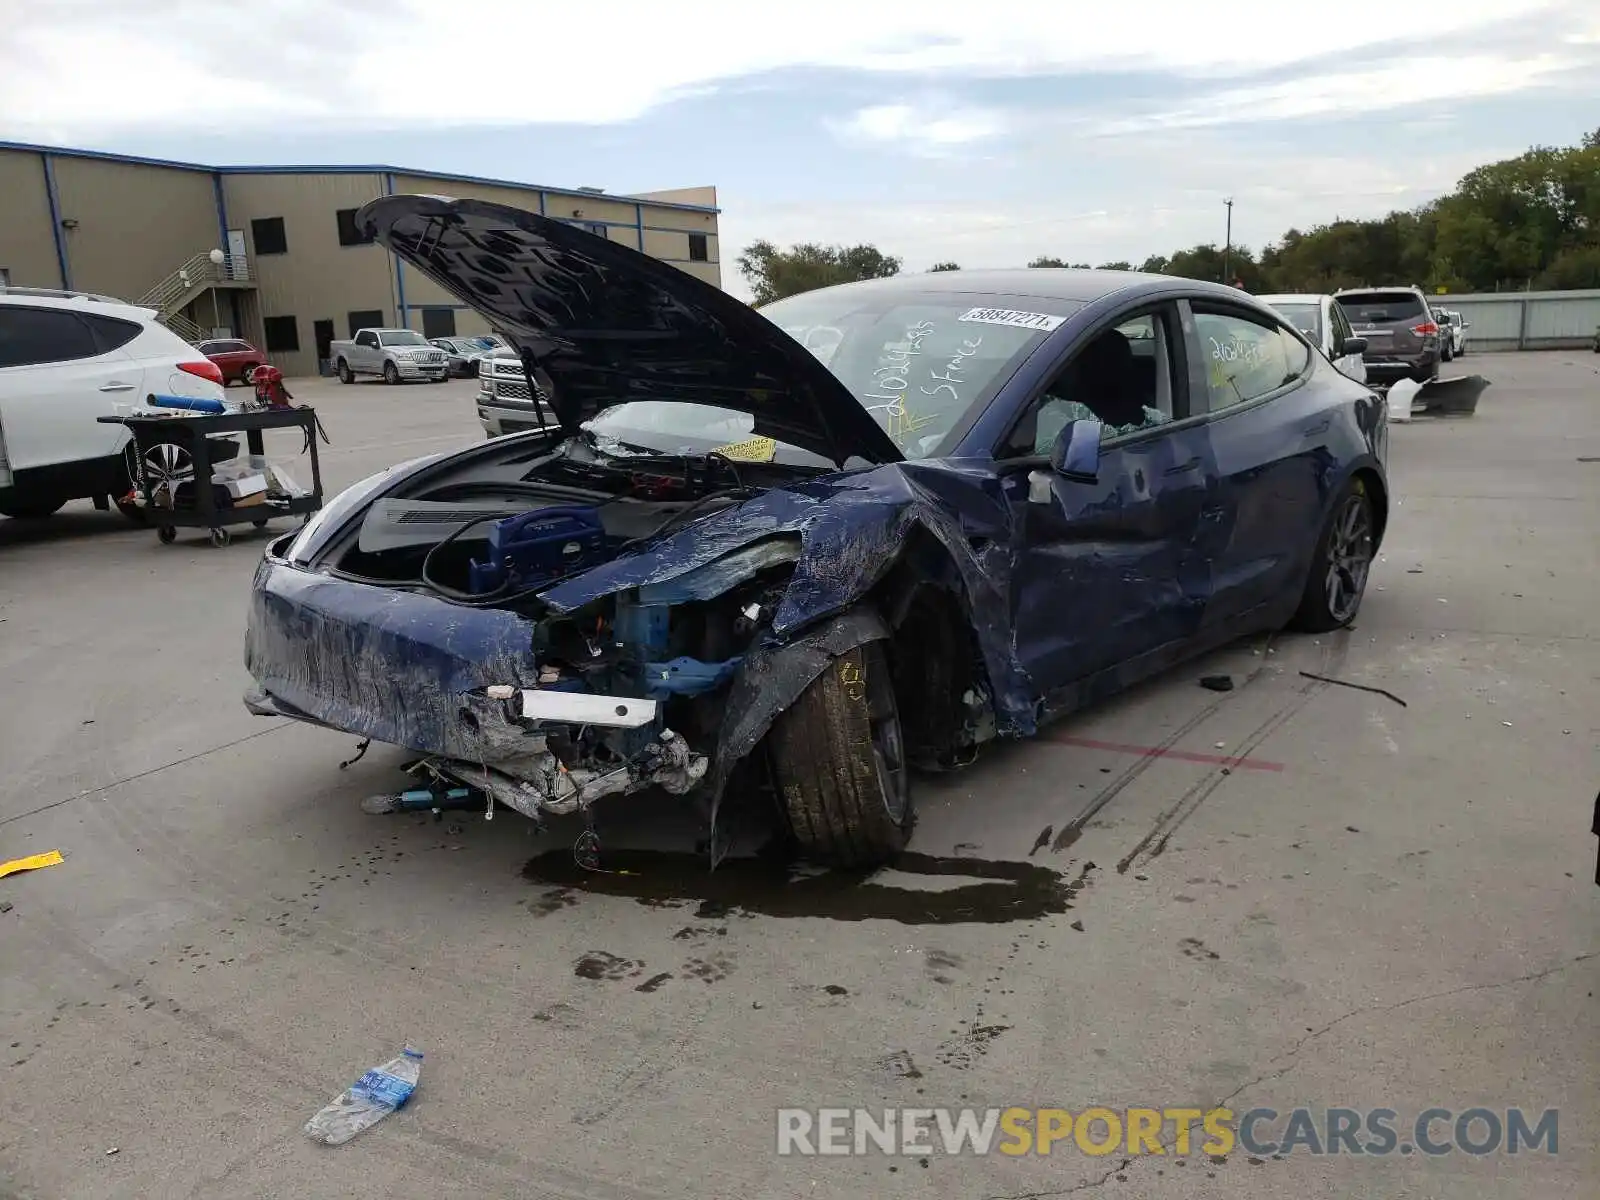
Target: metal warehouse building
{"type": "Point", "coordinates": [295, 274]}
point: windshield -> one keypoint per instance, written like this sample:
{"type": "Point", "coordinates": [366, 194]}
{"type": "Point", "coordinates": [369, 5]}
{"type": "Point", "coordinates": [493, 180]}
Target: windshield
{"type": "Point", "coordinates": [1307, 318]}
{"type": "Point", "coordinates": [401, 337]}
{"type": "Point", "coordinates": [918, 364]}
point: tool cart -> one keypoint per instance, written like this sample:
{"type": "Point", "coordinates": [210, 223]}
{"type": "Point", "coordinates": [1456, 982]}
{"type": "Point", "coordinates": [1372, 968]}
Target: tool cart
{"type": "Point", "coordinates": [178, 479]}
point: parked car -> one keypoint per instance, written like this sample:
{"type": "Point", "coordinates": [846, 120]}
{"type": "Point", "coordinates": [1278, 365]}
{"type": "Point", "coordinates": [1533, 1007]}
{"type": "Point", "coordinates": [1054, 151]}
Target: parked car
{"type": "Point", "coordinates": [68, 358]}
{"type": "Point", "coordinates": [794, 553]}
{"type": "Point", "coordinates": [1402, 335]}
{"type": "Point", "coordinates": [237, 358]}
{"type": "Point", "coordinates": [1325, 325]}
{"type": "Point", "coordinates": [461, 355]}
{"type": "Point", "coordinates": [395, 354]}
{"type": "Point", "coordinates": [507, 402]}
{"type": "Point", "coordinates": [1452, 333]}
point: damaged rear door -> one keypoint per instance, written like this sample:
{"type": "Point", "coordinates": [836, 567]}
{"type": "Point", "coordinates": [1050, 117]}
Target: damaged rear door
{"type": "Point", "coordinates": [1110, 570]}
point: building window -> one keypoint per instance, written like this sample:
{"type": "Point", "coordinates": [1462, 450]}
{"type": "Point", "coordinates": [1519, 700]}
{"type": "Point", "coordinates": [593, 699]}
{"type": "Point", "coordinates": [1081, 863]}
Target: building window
{"type": "Point", "coordinates": [438, 322]}
{"type": "Point", "coordinates": [349, 235]}
{"type": "Point", "coordinates": [699, 250]}
{"type": "Point", "coordinates": [268, 235]}
{"type": "Point", "coordinates": [370, 318]}
{"type": "Point", "coordinates": [283, 334]}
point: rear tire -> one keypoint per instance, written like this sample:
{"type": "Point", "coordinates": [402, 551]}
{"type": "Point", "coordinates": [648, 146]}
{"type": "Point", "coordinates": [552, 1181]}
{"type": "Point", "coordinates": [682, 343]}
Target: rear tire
{"type": "Point", "coordinates": [249, 370]}
{"type": "Point", "coordinates": [1447, 354]}
{"type": "Point", "coordinates": [839, 762]}
{"type": "Point", "coordinates": [346, 375]}
{"type": "Point", "coordinates": [1340, 564]}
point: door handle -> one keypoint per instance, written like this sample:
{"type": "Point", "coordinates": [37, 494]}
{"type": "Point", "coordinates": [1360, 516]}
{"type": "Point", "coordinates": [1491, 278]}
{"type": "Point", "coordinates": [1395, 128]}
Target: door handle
{"type": "Point", "coordinates": [1320, 427]}
{"type": "Point", "coordinates": [117, 387]}
{"type": "Point", "coordinates": [1183, 468]}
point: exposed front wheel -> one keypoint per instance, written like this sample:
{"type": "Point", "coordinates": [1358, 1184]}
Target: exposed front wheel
{"type": "Point", "coordinates": [1340, 564]}
{"type": "Point", "coordinates": [346, 375]}
{"type": "Point", "coordinates": [839, 762]}
{"type": "Point", "coordinates": [391, 374]}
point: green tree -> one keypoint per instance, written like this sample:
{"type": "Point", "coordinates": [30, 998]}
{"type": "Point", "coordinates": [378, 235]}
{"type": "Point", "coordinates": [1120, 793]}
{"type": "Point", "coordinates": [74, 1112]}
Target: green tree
{"type": "Point", "coordinates": [1116, 266]}
{"type": "Point", "coordinates": [773, 273]}
{"type": "Point", "coordinates": [945, 266]}
{"type": "Point", "coordinates": [1044, 260]}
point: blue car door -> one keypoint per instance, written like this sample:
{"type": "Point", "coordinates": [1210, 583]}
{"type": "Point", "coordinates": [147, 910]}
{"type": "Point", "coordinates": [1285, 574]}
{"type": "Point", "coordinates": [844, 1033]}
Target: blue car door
{"type": "Point", "coordinates": [1108, 571]}
{"type": "Point", "coordinates": [1269, 429]}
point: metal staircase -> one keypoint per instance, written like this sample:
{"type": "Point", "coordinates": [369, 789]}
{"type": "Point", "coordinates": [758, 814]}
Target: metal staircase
{"type": "Point", "coordinates": [195, 277]}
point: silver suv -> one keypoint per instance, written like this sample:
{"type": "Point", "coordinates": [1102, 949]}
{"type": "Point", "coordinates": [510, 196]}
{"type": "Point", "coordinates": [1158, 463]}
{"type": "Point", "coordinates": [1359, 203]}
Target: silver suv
{"type": "Point", "coordinates": [1401, 332]}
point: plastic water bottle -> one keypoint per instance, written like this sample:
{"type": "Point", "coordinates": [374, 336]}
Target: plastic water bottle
{"type": "Point", "coordinates": [368, 1100]}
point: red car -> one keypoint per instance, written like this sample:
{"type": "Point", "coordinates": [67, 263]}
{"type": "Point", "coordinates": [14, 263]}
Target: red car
{"type": "Point", "coordinates": [236, 358]}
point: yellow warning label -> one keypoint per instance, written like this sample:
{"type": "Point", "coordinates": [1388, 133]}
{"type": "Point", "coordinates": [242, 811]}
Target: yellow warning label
{"type": "Point", "coordinates": [757, 449]}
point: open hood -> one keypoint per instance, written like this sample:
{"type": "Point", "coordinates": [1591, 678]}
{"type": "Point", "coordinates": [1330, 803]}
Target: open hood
{"type": "Point", "coordinates": [608, 324]}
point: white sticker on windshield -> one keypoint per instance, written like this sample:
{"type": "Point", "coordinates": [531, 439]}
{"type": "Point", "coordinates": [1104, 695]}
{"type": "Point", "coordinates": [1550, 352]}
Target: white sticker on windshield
{"type": "Point", "coordinates": [1008, 316]}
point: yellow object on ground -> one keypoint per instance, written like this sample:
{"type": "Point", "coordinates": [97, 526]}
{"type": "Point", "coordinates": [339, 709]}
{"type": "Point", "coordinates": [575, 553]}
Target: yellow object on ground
{"type": "Point", "coordinates": [32, 863]}
{"type": "Point", "coordinates": [757, 449]}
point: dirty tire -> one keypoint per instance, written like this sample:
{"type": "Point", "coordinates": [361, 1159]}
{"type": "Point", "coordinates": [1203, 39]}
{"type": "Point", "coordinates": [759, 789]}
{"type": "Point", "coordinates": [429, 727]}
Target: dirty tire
{"type": "Point", "coordinates": [1347, 537]}
{"type": "Point", "coordinates": [346, 375]}
{"type": "Point", "coordinates": [838, 759]}
{"type": "Point", "coordinates": [391, 374]}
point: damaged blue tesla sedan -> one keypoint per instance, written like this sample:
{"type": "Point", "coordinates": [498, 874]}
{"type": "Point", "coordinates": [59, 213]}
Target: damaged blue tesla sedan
{"type": "Point", "coordinates": [798, 552]}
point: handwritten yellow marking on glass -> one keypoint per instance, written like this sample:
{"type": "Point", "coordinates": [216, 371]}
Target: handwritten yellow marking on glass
{"type": "Point", "coordinates": [33, 862]}
{"type": "Point", "coordinates": [756, 449]}
{"type": "Point", "coordinates": [854, 680]}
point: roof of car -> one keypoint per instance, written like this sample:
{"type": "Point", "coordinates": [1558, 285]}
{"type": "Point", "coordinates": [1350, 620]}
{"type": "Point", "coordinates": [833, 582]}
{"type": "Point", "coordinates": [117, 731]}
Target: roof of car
{"type": "Point", "coordinates": [1047, 283]}
{"type": "Point", "coordinates": [1294, 298]}
{"type": "Point", "coordinates": [56, 298]}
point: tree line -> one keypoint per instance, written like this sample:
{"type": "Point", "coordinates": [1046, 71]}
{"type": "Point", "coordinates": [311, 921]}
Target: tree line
{"type": "Point", "coordinates": [1530, 222]}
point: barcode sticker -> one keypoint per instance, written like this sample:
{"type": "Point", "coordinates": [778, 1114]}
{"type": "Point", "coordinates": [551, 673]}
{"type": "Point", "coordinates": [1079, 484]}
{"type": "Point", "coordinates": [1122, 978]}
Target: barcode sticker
{"type": "Point", "coordinates": [1043, 322]}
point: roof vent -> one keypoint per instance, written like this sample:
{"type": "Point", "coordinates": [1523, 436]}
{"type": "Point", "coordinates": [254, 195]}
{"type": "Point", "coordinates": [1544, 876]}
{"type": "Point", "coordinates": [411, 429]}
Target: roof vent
{"type": "Point", "coordinates": [593, 191]}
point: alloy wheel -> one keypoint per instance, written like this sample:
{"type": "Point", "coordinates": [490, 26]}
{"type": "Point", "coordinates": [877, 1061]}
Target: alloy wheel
{"type": "Point", "coordinates": [1349, 558]}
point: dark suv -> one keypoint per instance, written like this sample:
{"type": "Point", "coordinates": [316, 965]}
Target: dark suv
{"type": "Point", "coordinates": [1402, 334]}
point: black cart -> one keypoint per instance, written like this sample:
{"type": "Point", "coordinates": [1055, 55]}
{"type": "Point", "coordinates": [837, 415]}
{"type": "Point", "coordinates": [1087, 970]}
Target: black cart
{"type": "Point", "coordinates": [177, 436]}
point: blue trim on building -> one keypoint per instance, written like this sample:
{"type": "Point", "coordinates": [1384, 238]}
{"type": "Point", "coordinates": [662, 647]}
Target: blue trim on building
{"type": "Point", "coordinates": [222, 211]}
{"type": "Point", "coordinates": [541, 203]}
{"type": "Point", "coordinates": [343, 169]}
{"type": "Point", "coordinates": [638, 227]}
{"type": "Point", "coordinates": [399, 267]}
{"type": "Point", "coordinates": [56, 231]}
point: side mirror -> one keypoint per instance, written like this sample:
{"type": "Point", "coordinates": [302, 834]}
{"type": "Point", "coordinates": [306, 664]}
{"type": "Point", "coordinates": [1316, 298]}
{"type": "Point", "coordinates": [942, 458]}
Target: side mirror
{"type": "Point", "coordinates": [1353, 345]}
{"type": "Point", "coordinates": [1076, 452]}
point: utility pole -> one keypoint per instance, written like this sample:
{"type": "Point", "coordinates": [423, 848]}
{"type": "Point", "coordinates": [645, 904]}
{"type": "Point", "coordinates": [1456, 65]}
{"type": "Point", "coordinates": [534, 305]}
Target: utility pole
{"type": "Point", "coordinates": [1227, 248]}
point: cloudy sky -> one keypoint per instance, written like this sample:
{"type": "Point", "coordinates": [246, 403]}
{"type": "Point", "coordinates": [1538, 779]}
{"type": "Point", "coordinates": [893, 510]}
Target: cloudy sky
{"type": "Point", "coordinates": [986, 134]}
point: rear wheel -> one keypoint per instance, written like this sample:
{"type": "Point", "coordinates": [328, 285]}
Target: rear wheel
{"type": "Point", "coordinates": [246, 374]}
{"type": "Point", "coordinates": [346, 375]}
{"type": "Point", "coordinates": [1446, 354]}
{"type": "Point", "coordinates": [391, 374]}
{"type": "Point", "coordinates": [839, 761]}
{"type": "Point", "coordinates": [1340, 564]}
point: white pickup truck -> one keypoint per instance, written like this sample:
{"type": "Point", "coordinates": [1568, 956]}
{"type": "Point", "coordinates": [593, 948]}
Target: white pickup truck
{"type": "Point", "coordinates": [395, 354]}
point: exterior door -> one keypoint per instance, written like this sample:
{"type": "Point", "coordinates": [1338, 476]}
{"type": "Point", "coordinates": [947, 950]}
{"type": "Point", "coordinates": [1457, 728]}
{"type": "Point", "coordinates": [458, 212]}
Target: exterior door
{"type": "Point", "coordinates": [1269, 433]}
{"type": "Point", "coordinates": [1352, 365]}
{"type": "Point", "coordinates": [1108, 571]}
{"type": "Point", "coordinates": [54, 383]}
{"type": "Point", "coordinates": [238, 265]}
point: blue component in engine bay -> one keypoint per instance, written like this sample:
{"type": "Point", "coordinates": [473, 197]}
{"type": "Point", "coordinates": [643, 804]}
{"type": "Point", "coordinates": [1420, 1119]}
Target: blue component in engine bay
{"type": "Point", "coordinates": [533, 548]}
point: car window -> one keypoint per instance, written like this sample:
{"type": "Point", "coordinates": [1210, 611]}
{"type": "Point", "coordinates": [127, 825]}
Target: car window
{"type": "Point", "coordinates": [42, 335]}
{"type": "Point", "coordinates": [919, 364]}
{"type": "Point", "coordinates": [1245, 358]}
{"type": "Point", "coordinates": [1122, 378]}
{"type": "Point", "coordinates": [403, 337]}
{"type": "Point", "coordinates": [1305, 317]}
{"type": "Point", "coordinates": [1376, 307]}
{"type": "Point", "coordinates": [111, 333]}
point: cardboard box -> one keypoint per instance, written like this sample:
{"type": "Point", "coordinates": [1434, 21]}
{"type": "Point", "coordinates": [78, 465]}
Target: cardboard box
{"type": "Point", "coordinates": [245, 485]}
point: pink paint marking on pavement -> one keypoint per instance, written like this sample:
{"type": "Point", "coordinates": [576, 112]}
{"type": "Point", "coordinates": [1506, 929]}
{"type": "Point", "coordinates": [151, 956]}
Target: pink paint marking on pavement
{"type": "Point", "coordinates": [1215, 760]}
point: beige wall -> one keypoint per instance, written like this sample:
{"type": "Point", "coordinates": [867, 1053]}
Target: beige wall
{"type": "Point", "coordinates": [136, 223]}
{"type": "Point", "coordinates": [317, 278]}
{"type": "Point", "coordinates": [27, 244]}
{"type": "Point", "coordinates": [706, 197]}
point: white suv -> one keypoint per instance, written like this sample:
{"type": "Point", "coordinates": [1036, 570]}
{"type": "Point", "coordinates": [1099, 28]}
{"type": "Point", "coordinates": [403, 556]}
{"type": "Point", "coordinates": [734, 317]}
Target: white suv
{"type": "Point", "coordinates": [67, 358]}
